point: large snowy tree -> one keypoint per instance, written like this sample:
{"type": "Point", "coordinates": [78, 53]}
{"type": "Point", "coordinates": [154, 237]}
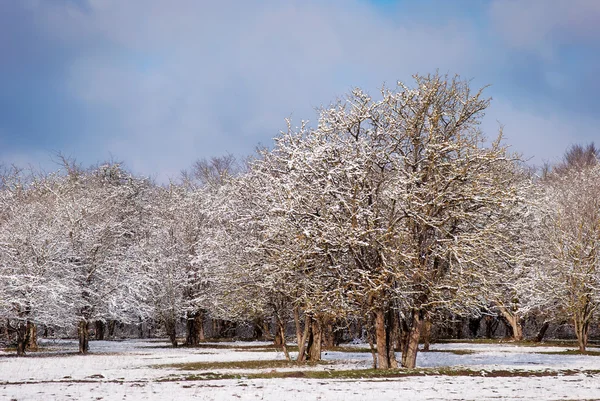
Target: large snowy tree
{"type": "Point", "coordinates": [403, 200]}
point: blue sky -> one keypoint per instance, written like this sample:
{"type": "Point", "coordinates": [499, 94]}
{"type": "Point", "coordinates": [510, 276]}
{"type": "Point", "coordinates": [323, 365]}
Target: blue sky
{"type": "Point", "coordinates": [160, 84]}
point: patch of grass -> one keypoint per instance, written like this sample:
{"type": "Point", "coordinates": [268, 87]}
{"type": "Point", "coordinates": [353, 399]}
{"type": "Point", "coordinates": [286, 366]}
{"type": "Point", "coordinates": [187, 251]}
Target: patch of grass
{"type": "Point", "coordinates": [342, 348]}
{"type": "Point", "coordinates": [454, 351]}
{"type": "Point", "coordinates": [258, 364]}
{"type": "Point", "coordinates": [366, 374]}
{"type": "Point", "coordinates": [507, 341]}
{"type": "Point", "coordinates": [572, 352]}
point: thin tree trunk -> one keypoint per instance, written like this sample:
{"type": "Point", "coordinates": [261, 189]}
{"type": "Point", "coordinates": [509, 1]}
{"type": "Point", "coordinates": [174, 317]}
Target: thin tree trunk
{"type": "Point", "coordinates": [304, 337]}
{"type": "Point", "coordinates": [540, 335]}
{"type": "Point", "coordinates": [32, 344]}
{"type": "Point", "coordinates": [411, 348]}
{"type": "Point", "coordinates": [84, 336]}
{"type": "Point", "coordinates": [281, 335]}
{"type": "Point", "coordinates": [298, 326]}
{"type": "Point", "coordinates": [371, 336]}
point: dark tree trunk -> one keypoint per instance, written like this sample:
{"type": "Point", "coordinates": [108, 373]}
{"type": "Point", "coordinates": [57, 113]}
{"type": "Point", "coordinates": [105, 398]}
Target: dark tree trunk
{"type": "Point", "coordinates": [141, 327]}
{"type": "Point", "coordinates": [84, 336]}
{"type": "Point", "coordinates": [458, 325]}
{"type": "Point", "coordinates": [257, 333]}
{"type": "Point", "coordinates": [491, 325]}
{"type": "Point", "coordinates": [474, 326]}
{"type": "Point", "coordinates": [540, 335]}
{"type": "Point", "coordinates": [411, 348]}
{"type": "Point", "coordinates": [195, 328]}
{"type": "Point", "coordinates": [357, 328]}
{"type": "Point", "coordinates": [111, 328]}
{"type": "Point", "coordinates": [22, 332]}
{"type": "Point", "coordinates": [171, 329]}
{"type": "Point", "coordinates": [100, 330]}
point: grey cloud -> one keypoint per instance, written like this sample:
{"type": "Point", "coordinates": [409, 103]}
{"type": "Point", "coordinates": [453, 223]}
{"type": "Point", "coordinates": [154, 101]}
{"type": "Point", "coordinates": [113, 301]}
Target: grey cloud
{"type": "Point", "coordinates": [541, 25]}
{"type": "Point", "coordinates": [165, 83]}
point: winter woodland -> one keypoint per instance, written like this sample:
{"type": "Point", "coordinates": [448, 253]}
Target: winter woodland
{"type": "Point", "coordinates": [390, 217]}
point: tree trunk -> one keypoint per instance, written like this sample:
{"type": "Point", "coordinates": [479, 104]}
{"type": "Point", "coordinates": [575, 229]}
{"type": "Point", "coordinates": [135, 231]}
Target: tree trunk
{"type": "Point", "coordinates": [386, 357]}
{"type": "Point", "coordinates": [195, 328]}
{"type": "Point", "coordinates": [540, 335]}
{"type": "Point", "coordinates": [514, 323]}
{"type": "Point", "coordinates": [22, 331]}
{"type": "Point", "coordinates": [298, 326]}
{"type": "Point", "coordinates": [304, 337]}
{"type": "Point", "coordinates": [426, 335]}
{"type": "Point", "coordinates": [371, 337]}
{"type": "Point", "coordinates": [32, 344]}
{"type": "Point", "coordinates": [329, 335]}
{"type": "Point", "coordinates": [171, 329]}
{"type": "Point", "coordinates": [474, 324]}
{"type": "Point", "coordinates": [581, 331]}
{"type": "Point", "coordinates": [315, 340]}
{"type": "Point", "coordinates": [281, 335]}
{"type": "Point", "coordinates": [411, 348]}
{"type": "Point", "coordinates": [111, 328]}
{"type": "Point", "coordinates": [491, 325]}
{"type": "Point", "coordinates": [84, 336]}
{"type": "Point", "coordinates": [257, 330]}
{"type": "Point", "coordinates": [141, 327]}
{"type": "Point", "coordinates": [100, 326]}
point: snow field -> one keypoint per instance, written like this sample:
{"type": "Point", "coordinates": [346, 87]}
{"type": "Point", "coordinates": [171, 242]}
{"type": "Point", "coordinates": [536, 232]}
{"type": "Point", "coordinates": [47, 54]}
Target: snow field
{"type": "Point", "coordinates": [127, 371]}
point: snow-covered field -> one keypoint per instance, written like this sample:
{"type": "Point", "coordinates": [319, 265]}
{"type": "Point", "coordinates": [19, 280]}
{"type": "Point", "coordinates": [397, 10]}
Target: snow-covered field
{"type": "Point", "coordinates": [128, 370]}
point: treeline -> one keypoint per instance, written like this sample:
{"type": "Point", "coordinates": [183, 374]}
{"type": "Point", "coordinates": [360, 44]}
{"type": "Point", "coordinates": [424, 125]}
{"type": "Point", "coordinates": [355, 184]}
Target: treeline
{"type": "Point", "coordinates": [386, 218]}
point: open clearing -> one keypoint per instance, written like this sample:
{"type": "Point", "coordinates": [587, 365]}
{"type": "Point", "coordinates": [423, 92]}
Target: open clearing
{"type": "Point", "coordinates": [150, 370]}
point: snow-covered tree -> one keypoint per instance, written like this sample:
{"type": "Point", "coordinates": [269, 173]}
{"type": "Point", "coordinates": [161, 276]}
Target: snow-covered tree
{"type": "Point", "coordinates": [572, 234]}
{"type": "Point", "coordinates": [401, 200]}
{"type": "Point", "coordinates": [34, 266]}
{"type": "Point", "coordinates": [102, 210]}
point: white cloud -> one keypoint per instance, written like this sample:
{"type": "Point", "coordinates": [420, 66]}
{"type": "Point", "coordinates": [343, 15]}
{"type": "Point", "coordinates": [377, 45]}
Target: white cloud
{"type": "Point", "coordinates": [538, 137]}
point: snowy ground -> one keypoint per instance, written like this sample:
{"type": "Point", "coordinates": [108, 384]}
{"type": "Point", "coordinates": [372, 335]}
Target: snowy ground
{"type": "Point", "coordinates": [128, 370]}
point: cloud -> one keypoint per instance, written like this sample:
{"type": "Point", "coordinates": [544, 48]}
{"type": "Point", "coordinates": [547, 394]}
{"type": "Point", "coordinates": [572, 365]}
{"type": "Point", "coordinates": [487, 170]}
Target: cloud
{"type": "Point", "coordinates": [551, 23]}
{"type": "Point", "coordinates": [539, 138]}
{"type": "Point", "coordinates": [164, 84]}
{"type": "Point", "coordinates": [159, 84]}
